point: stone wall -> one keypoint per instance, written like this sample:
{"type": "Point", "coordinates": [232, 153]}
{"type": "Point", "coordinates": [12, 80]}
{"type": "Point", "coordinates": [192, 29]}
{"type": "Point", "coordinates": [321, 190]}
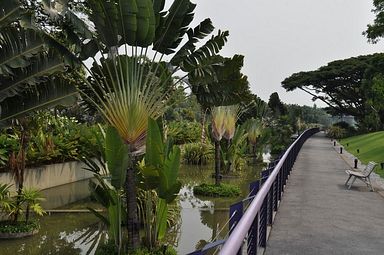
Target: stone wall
{"type": "Point", "coordinates": [49, 176]}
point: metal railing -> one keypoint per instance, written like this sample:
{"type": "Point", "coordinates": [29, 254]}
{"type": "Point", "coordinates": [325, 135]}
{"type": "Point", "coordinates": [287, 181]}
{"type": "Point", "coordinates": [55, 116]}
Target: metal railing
{"type": "Point", "coordinates": [249, 219]}
{"type": "Point", "coordinates": [253, 224]}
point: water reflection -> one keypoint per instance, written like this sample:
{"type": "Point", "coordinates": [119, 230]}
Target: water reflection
{"type": "Point", "coordinates": [203, 218]}
{"type": "Point", "coordinates": [59, 234]}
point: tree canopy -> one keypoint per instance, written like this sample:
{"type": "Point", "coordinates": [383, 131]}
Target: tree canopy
{"type": "Point", "coordinates": [376, 30]}
{"type": "Point", "coordinates": [344, 85]}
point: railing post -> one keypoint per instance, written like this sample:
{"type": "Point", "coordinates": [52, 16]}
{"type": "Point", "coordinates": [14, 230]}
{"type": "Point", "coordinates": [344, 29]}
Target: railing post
{"type": "Point", "coordinates": [235, 214]}
{"type": "Point", "coordinates": [253, 231]}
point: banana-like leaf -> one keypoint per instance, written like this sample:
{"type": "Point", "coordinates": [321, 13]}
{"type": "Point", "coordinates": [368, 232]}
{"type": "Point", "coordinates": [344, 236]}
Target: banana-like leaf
{"type": "Point", "coordinates": [33, 74]}
{"type": "Point", "coordinates": [194, 35]}
{"type": "Point", "coordinates": [44, 95]}
{"type": "Point", "coordinates": [154, 155]}
{"type": "Point", "coordinates": [172, 28]}
{"type": "Point", "coordinates": [117, 156]}
{"type": "Point", "coordinates": [105, 17]}
{"type": "Point", "coordinates": [208, 50]}
{"type": "Point", "coordinates": [18, 46]}
{"type": "Point", "coordinates": [10, 10]}
{"type": "Point", "coordinates": [169, 186]}
{"type": "Point", "coordinates": [162, 216]}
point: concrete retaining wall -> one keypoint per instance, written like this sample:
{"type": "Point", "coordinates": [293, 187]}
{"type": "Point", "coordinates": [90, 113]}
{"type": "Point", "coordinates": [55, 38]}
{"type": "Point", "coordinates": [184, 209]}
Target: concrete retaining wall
{"type": "Point", "coordinates": [49, 176]}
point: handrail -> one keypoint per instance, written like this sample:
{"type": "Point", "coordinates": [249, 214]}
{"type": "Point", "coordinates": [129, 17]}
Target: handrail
{"type": "Point", "coordinates": [235, 240]}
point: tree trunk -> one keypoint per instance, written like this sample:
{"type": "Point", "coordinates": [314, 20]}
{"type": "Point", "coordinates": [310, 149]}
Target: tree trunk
{"type": "Point", "coordinates": [133, 225]}
{"type": "Point", "coordinates": [202, 122]}
{"type": "Point", "coordinates": [217, 162]}
{"type": "Point", "coordinates": [27, 214]}
{"type": "Point", "coordinates": [229, 160]}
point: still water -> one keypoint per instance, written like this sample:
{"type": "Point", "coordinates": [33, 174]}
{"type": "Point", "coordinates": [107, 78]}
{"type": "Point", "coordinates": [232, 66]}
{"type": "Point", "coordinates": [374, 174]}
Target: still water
{"type": "Point", "coordinates": [201, 218]}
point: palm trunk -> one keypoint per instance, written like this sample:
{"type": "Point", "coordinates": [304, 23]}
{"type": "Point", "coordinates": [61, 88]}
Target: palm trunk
{"type": "Point", "coordinates": [217, 162]}
{"type": "Point", "coordinates": [27, 214]}
{"type": "Point", "coordinates": [202, 122]}
{"type": "Point", "coordinates": [133, 225]}
{"type": "Point", "coordinates": [229, 166]}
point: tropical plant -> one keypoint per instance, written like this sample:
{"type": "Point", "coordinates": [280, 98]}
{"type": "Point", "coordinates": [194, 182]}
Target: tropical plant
{"type": "Point", "coordinates": [159, 172]}
{"type": "Point", "coordinates": [218, 115]}
{"type": "Point", "coordinates": [197, 153]}
{"type": "Point", "coordinates": [5, 201]}
{"type": "Point", "coordinates": [110, 194]}
{"type": "Point", "coordinates": [254, 131]}
{"type": "Point", "coordinates": [31, 199]}
{"type": "Point", "coordinates": [182, 132]}
{"type": "Point", "coordinates": [125, 85]}
{"type": "Point", "coordinates": [30, 60]}
{"type": "Point", "coordinates": [234, 154]}
{"type": "Point", "coordinates": [28, 200]}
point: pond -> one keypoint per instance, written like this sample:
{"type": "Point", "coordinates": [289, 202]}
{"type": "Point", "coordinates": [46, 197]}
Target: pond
{"type": "Point", "coordinates": [202, 218]}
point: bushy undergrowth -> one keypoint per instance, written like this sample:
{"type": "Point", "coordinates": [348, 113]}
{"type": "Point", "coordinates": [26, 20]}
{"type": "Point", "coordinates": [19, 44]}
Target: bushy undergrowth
{"type": "Point", "coordinates": [18, 227]}
{"type": "Point", "coordinates": [184, 131]}
{"type": "Point", "coordinates": [197, 153]}
{"type": "Point", "coordinates": [51, 139]}
{"type": "Point", "coordinates": [212, 190]}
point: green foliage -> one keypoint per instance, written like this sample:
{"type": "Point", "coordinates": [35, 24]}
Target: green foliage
{"type": "Point", "coordinates": [18, 227]}
{"type": "Point", "coordinates": [27, 200]}
{"type": "Point", "coordinates": [197, 153]}
{"type": "Point", "coordinates": [349, 86]}
{"type": "Point", "coordinates": [225, 86]}
{"type": "Point", "coordinates": [375, 31]}
{"type": "Point", "coordinates": [277, 107]}
{"type": "Point", "coordinates": [30, 61]}
{"type": "Point", "coordinates": [182, 132]}
{"type": "Point", "coordinates": [164, 250]}
{"type": "Point", "coordinates": [108, 248]}
{"type": "Point", "coordinates": [370, 145]}
{"type": "Point", "coordinates": [234, 153]}
{"type": "Point", "coordinates": [52, 139]}
{"type": "Point", "coordinates": [159, 172]}
{"type": "Point", "coordinates": [213, 190]}
{"type": "Point", "coordinates": [116, 155]}
{"type": "Point", "coordinates": [336, 132]}
{"type": "Point", "coordinates": [281, 132]}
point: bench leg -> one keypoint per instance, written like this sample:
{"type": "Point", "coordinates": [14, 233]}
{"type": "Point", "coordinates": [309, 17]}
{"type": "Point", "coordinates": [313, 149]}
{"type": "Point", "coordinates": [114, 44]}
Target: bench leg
{"type": "Point", "coordinates": [370, 184]}
{"type": "Point", "coordinates": [353, 180]}
{"type": "Point", "coordinates": [348, 180]}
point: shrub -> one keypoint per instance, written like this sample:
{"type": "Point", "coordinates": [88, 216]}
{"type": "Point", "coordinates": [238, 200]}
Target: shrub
{"type": "Point", "coordinates": [183, 132]}
{"type": "Point", "coordinates": [18, 226]}
{"type": "Point", "coordinates": [197, 153]}
{"type": "Point", "coordinates": [336, 132]}
{"type": "Point", "coordinates": [212, 190]}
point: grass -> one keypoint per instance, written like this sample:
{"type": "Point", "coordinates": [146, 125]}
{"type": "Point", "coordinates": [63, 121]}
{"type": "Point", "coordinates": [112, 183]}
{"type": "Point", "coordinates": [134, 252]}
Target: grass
{"type": "Point", "coordinates": [371, 148]}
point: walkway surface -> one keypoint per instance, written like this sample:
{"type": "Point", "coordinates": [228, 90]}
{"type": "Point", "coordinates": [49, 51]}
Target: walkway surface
{"type": "Point", "coordinates": [318, 215]}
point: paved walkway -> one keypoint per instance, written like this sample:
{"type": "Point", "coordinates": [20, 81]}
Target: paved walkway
{"type": "Point", "coordinates": [318, 215]}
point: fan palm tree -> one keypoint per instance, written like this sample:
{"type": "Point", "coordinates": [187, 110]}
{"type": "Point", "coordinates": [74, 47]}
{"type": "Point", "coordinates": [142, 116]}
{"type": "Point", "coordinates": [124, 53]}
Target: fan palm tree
{"type": "Point", "coordinates": [128, 83]}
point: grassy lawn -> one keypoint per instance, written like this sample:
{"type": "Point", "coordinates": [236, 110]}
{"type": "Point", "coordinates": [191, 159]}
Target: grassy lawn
{"type": "Point", "coordinates": [371, 148]}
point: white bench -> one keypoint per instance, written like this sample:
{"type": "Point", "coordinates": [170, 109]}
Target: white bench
{"type": "Point", "coordinates": [361, 175]}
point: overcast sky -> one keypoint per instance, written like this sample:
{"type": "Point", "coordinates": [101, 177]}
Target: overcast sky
{"type": "Point", "coordinates": [281, 37]}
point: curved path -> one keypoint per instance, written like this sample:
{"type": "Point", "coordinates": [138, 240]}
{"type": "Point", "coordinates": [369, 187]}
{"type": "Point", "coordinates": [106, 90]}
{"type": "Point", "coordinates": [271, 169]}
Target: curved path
{"type": "Point", "coordinates": [318, 215]}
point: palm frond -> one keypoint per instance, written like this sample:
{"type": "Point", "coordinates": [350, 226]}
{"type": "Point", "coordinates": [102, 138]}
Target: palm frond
{"type": "Point", "coordinates": [172, 27]}
{"type": "Point", "coordinates": [33, 74]}
{"type": "Point", "coordinates": [44, 95]}
{"type": "Point", "coordinates": [18, 46]}
{"type": "Point", "coordinates": [10, 10]}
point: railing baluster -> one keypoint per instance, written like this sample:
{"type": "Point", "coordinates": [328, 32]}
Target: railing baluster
{"type": "Point", "coordinates": [253, 231]}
